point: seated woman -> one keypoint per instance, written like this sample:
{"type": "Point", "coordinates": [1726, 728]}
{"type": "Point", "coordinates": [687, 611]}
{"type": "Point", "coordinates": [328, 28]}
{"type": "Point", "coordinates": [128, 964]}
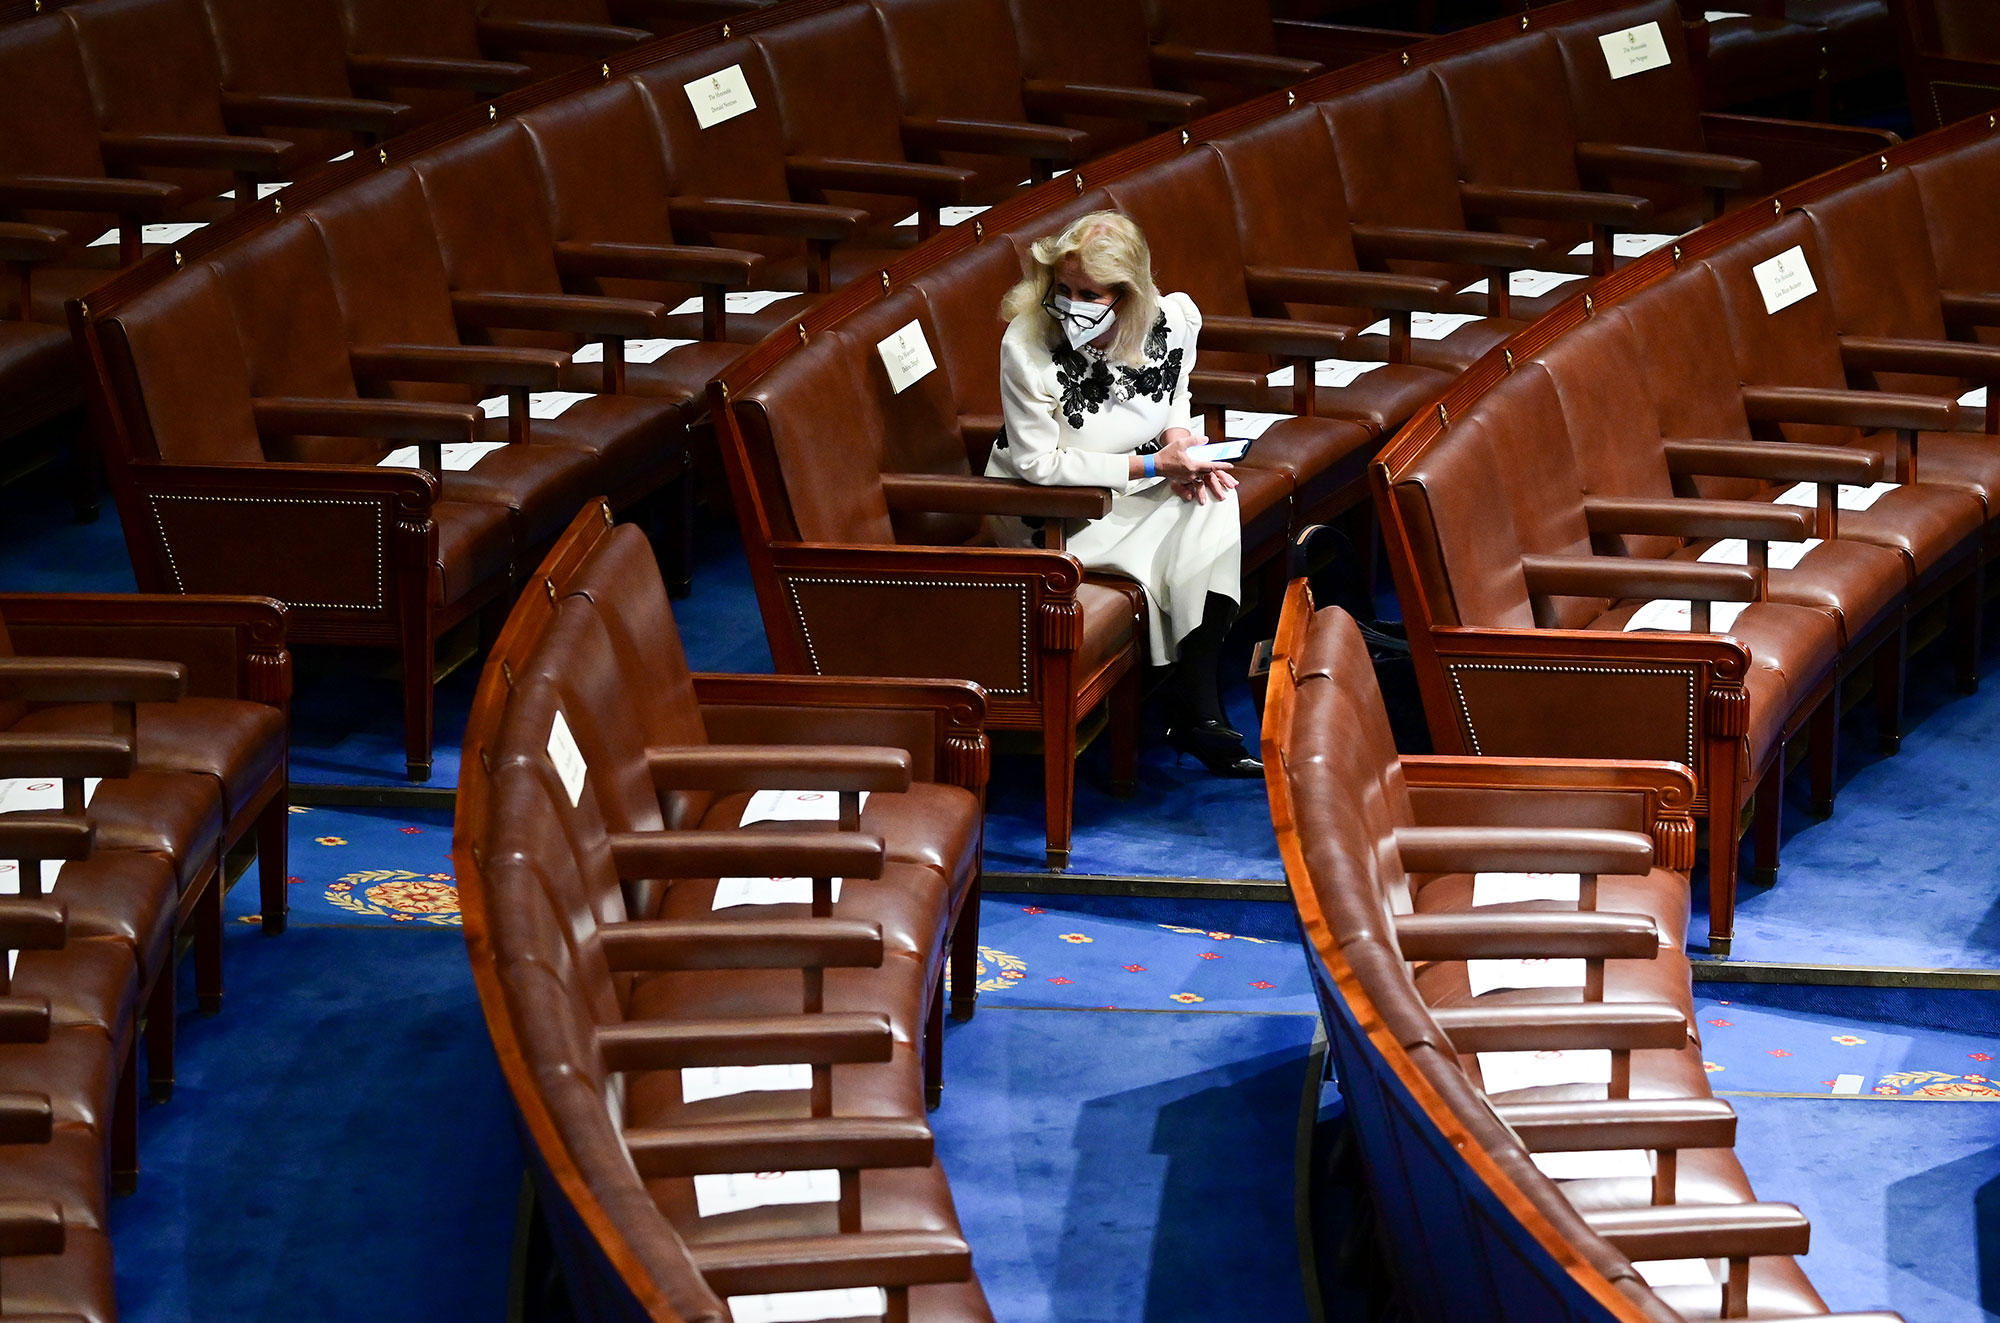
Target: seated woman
{"type": "Point", "coordinates": [1094, 383]}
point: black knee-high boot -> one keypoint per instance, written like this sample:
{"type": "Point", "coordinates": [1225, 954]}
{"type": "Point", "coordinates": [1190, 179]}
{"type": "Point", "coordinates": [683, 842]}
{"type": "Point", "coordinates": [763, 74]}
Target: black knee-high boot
{"type": "Point", "coordinates": [1199, 724]}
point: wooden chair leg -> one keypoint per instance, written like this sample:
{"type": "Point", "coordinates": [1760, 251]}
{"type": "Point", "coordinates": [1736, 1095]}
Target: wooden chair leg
{"type": "Point", "coordinates": [1965, 631]}
{"type": "Point", "coordinates": [1124, 733]}
{"type": "Point", "coordinates": [965, 955]}
{"type": "Point", "coordinates": [1722, 843]}
{"type": "Point", "coordinates": [1823, 754]}
{"type": "Point", "coordinates": [161, 1008]}
{"type": "Point", "coordinates": [1767, 822]}
{"type": "Point", "coordinates": [934, 1046]}
{"type": "Point", "coordinates": [419, 698]}
{"type": "Point", "coordinates": [208, 945]}
{"type": "Point", "coordinates": [274, 862]}
{"type": "Point", "coordinates": [125, 1123]}
{"type": "Point", "coordinates": [1891, 660]}
{"type": "Point", "coordinates": [1059, 769]}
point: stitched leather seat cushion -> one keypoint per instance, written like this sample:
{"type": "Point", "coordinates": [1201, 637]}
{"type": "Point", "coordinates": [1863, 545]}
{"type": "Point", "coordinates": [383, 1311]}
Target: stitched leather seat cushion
{"type": "Point", "coordinates": [911, 901]}
{"type": "Point", "coordinates": [474, 547]}
{"type": "Point", "coordinates": [930, 824]}
{"type": "Point", "coordinates": [175, 814]}
{"type": "Point", "coordinates": [240, 744]}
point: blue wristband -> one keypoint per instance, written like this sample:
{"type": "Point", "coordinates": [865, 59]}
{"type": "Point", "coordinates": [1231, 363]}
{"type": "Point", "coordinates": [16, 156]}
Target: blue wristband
{"type": "Point", "coordinates": [1146, 461]}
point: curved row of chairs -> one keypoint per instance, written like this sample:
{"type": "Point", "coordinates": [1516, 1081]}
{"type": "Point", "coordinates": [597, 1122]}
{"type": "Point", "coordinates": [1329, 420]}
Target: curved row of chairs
{"type": "Point", "coordinates": [1532, 1153]}
{"type": "Point", "coordinates": [1764, 420]}
{"type": "Point", "coordinates": [248, 381]}
{"type": "Point", "coordinates": [1452, 190]}
{"type": "Point", "coordinates": [721, 1020]}
{"type": "Point", "coordinates": [142, 758]}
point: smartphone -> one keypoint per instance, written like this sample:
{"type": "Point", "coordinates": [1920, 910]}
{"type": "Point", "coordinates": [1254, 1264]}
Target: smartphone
{"type": "Point", "coordinates": [1219, 452]}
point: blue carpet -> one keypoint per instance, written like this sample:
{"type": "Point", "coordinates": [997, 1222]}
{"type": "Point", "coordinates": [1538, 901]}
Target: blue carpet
{"type": "Point", "coordinates": [1765, 1045]}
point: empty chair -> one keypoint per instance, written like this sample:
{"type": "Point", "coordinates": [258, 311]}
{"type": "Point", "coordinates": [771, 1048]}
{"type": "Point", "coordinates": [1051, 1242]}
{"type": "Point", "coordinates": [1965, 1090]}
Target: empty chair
{"type": "Point", "coordinates": [428, 54]}
{"type": "Point", "coordinates": [286, 66]}
{"type": "Point", "coordinates": [1092, 68]}
{"type": "Point", "coordinates": [1226, 52]}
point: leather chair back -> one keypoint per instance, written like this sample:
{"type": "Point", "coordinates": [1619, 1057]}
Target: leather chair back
{"type": "Point", "coordinates": [42, 82]}
{"type": "Point", "coordinates": [1879, 271]}
{"type": "Point", "coordinates": [152, 69]}
{"type": "Point", "coordinates": [1244, 26]}
{"type": "Point", "coordinates": [956, 59]}
{"type": "Point", "coordinates": [448, 28]}
{"type": "Point", "coordinates": [1182, 205]}
{"type": "Point", "coordinates": [964, 303]}
{"type": "Point", "coordinates": [1959, 200]}
{"type": "Point", "coordinates": [1660, 107]}
{"type": "Point", "coordinates": [1510, 121]}
{"type": "Point", "coordinates": [836, 90]}
{"type": "Point", "coordinates": [829, 454]}
{"type": "Point", "coordinates": [740, 157]}
{"type": "Point", "coordinates": [1394, 141]}
{"type": "Point", "coordinates": [1102, 42]}
{"type": "Point", "coordinates": [296, 47]}
{"type": "Point", "coordinates": [1284, 180]}
{"type": "Point", "coordinates": [178, 360]}
{"type": "Point", "coordinates": [1689, 371]}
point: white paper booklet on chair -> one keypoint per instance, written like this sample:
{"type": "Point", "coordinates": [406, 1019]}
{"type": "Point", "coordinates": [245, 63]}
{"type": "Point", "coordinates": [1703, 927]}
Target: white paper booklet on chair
{"type": "Point", "coordinates": [455, 456]}
{"type": "Point", "coordinates": [810, 1306]}
{"type": "Point", "coordinates": [1780, 555]}
{"type": "Point", "coordinates": [1428, 325]}
{"type": "Point", "coordinates": [731, 892]}
{"type": "Point", "coordinates": [795, 806]}
{"type": "Point", "coordinates": [1484, 976]}
{"type": "Point", "coordinates": [1244, 423]}
{"type": "Point", "coordinates": [1850, 497]}
{"type": "Point", "coordinates": [1504, 1072]}
{"type": "Point", "coordinates": [1677, 616]}
{"type": "Point", "coordinates": [700, 1083]}
{"type": "Point", "coordinates": [1510, 888]}
{"type": "Point", "coordinates": [736, 1191]}
{"type": "Point", "coordinates": [1334, 372]}
{"type": "Point", "coordinates": [738, 300]}
{"type": "Point", "coordinates": [636, 351]}
{"type": "Point", "coordinates": [541, 404]}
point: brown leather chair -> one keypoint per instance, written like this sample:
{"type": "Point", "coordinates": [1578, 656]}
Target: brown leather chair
{"type": "Point", "coordinates": [842, 596]}
{"type": "Point", "coordinates": [1951, 59]}
{"type": "Point", "coordinates": [153, 77]}
{"type": "Point", "coordinates": [1091, 68]}
{"type": "Point", "coordinates": [429, 55]}
{"type": "Point", "coordinates": [730, 182]}
{"type": "Point", "coordinates": [287, 66]}
{"type": "Point", "coordinates": [962, 90]}
{"type": "Point", "coordinates": [605, 171]}
{"type": "Point", "coordinates": [1226, 52]}
{"type": "Point", "coordinates": [1756, 54]}
{"type": "Point", "coordinates": [836, 97]}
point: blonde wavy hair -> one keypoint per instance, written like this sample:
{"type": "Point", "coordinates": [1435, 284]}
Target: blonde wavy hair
{"type": "Point", "coordinates": [1112, 250]}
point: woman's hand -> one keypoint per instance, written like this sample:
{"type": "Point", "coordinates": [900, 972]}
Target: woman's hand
{"type": "Point", "coordinates": [1203, 487]}
{"type": "Point", "coordinates": [1197, 480]}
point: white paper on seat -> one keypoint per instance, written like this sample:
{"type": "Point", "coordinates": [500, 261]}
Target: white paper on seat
{"type": "Point", "coordinates": [1505, 1072]}
{"type": "Point", "coordinates": [1245, 423]}
{"type": "Point", "coordinates": [739, 300]}
{"type": "Point", "coordinates": [1736, 551]}
{"type": "Point", "coordinates": [947, 216]}
{"type": "Point", "coordinates": [1527, 284]}
{"type": "Point", "coordinates": [1628, 245]}
{"type": "Point", "coordinates": [1507, 888]}
{"type": "Point", "coordinates": [700, 1083]}
{"type": "Point", "coordinates": [456, 456]}
{"type": "Point", "coordinates": [1849, 497]}
{"type": "Point", "coordinates": [172, 233]}
{"type": "Point", "coordinates": [1635, 50]}
{"type": "Point", "coordinates": [1785, 279]}
{"type": "Point", "coordinates": [722, 95]}
{"type": "Point", "coordinates": [907, 356]}
{"type": "Point", "coordinates": [1326, 372]}
{"type": "Point", "coordinates": [568, 758]}
{"type": "Point", "coordinates": [1677, 1272]}
{"type": "Point", "coordinates": [263, 190]}
{"type": "Point", "coordinates": [636, 351]}
{"type": "Point", "coordinates": [1846, 1084]}
{"type": "Point", "coordinates": [1219, 452]}
{"type": "Point", "coordinates": [795, 806]}
{"type": "Point", "coordinates": [1717, 15]}
{"type": "Point", "coordinates": [40, 794]}
{"type": "Point", "coordinates": [10, 877]}
{"type": "Point", "coordinates": [733, 891]}
{"type": "Point", "coordinates": [1486, 976]}
{"type": "Point", "coordinates": [541, 403]}
{"type": "Point", "coordinates": [1428, 325]}
{"type": "Point", "coordinates": [732, 1193]}
{"type": "Point", "coordinates": [1677, 615]}
{"type": "Point", "coordinates": [1602, 1164]}
{"type": "Point", "coordinates": [1974, 398]}
{"type": "Point", "coordinates": [810, 1306]}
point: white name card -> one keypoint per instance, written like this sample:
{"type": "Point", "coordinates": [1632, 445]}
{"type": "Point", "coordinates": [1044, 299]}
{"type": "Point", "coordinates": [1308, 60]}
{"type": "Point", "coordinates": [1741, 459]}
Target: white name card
{"type": "Point", "coordinates": [700, 1083]}
{"type": "Point", "coordinates": [1849, 497]}
{"type": "Point", "coordinates": [1678, 616]}
{"type": "Point", "coordinates": [947, 216]}
{"type": "Point", "coordinates": [741, 300]}
{"type": "Point", "coordinates": [455, 456]}
{"type": "Point", "coordinates": [1735, 551]}
{"type": "Point", "coordinates": [1784, 279]}
{"type": "Point", "coordinates": [810, 1306]}
{"type": "Point", "coordinates": [1602, 1164]}
{"type": "Point", "coordinates": [636, 351]}
{"type": "Point", "coordinates": [1512, 888]}
{"type": "Point", "coordinates": [1527, 284]}
{"type": "Point", "coordinates": [907, 355]}
{"type": "Point", "coordinates": [1504, 1072]}
{"type": "Point", "coordinates": [1846, 1084]}
{"type": "Point", "coordinates": [568, 758]}
{"type": "Point", "coordinates": [1251, 425]}
{"type": "Point", "coordinates": [1635, 50]}
{"type": "Point", "coordinates": [541, 404]}
{"type": "Point", "coordinates": [736, 1191]}
{"type": "Point", "coordinates": [795, 806]}
{"type": "Point", "coordinates": [1428, 325]}
{"type": "Point", "coordinates": [722, 95]}
{"type": "Point", "coordinates": [733, 891]}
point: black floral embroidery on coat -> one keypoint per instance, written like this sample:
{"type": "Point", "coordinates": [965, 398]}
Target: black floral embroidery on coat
{"type": "Point", "coordinates": [1087, 383]}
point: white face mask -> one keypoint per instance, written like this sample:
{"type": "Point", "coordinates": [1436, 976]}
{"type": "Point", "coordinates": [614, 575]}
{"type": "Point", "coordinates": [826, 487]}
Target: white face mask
{"type": "Point", "coordinates": [1080, 322]}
